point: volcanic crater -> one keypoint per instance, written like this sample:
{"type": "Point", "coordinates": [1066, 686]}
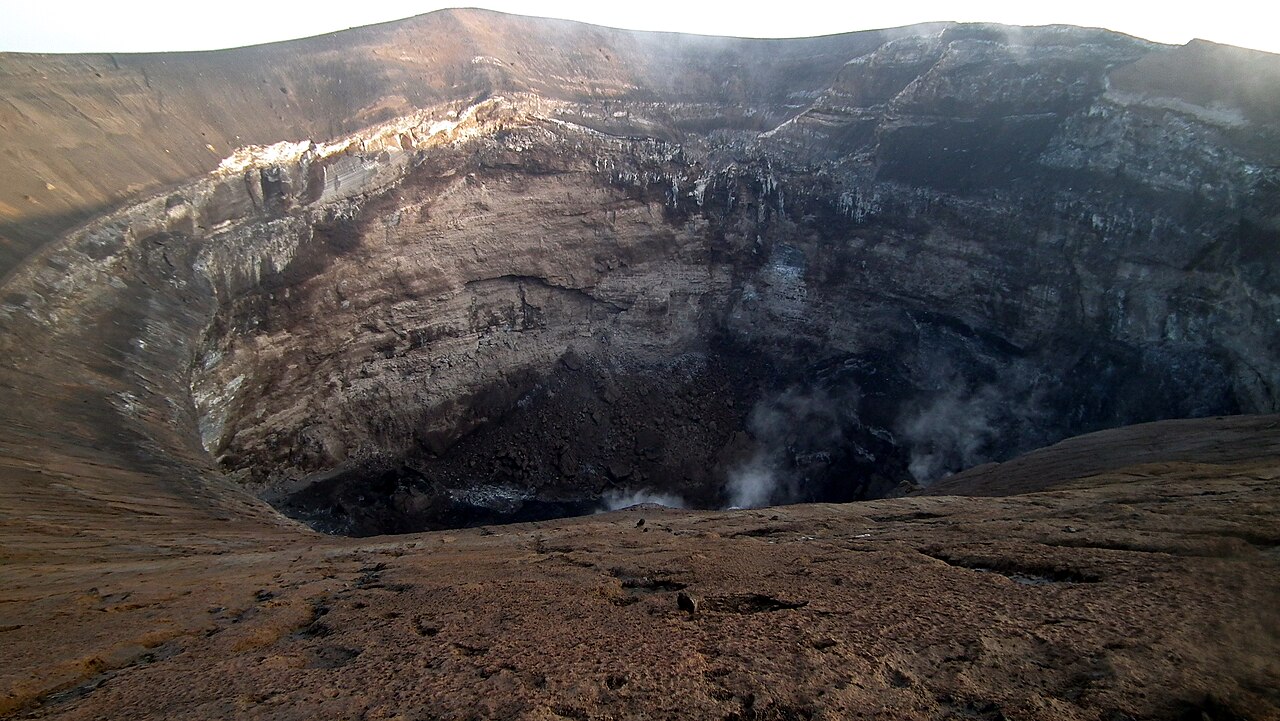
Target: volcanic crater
{"type": "Point", "coordinates": [894, 256]}
{"type": "Point", "coordinates": [471, 269]}
{"type": "Point", "coordinates": [548, 320]}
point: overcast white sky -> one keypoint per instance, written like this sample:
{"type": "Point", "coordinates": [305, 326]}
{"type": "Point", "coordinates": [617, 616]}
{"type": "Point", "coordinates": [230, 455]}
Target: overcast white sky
{"type": "Point", "coordinates": [152, 25]}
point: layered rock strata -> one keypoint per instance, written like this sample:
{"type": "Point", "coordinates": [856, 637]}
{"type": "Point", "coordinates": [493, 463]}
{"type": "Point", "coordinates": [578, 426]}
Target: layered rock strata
{"type": "Point", "coordinates": [961, 243]}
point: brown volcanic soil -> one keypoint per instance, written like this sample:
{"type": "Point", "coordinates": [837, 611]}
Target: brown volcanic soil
{"type": "Point", "coordinates": [1142, 592]}
{"type": "Point", "coordinates": [1225, 441]}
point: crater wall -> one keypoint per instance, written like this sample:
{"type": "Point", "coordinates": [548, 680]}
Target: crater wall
{"type": "Point", "coordinates": [959, 243]}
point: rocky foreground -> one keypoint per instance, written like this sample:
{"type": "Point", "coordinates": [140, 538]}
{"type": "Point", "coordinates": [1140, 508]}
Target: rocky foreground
{"type": "Point", "coordinates": [1148, 591]}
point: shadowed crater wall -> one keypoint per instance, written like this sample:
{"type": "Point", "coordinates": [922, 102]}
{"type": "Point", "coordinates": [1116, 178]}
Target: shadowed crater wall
{"type": "Point", "coordinates": [892, 257]}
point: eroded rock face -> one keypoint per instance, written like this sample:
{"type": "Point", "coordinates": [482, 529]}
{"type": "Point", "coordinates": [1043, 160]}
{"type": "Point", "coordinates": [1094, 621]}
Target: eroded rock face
{"type": "Point", "coordinates": [957, 245]}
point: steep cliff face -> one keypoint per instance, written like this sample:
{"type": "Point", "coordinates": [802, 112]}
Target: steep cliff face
{"type": "Point", "coordinates": [82, 134]}
{"type": "Point", "coordinates": [887, 257]}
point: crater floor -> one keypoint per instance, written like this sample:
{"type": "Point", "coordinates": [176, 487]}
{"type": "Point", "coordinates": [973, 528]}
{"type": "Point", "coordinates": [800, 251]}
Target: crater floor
{"type": "Point", "coordinates": [1145, 591]}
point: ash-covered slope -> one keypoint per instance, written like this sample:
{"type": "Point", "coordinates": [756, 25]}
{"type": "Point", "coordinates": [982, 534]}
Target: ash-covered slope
{"type": "Point", "coordinates": [1144, 593]}
{"type": "Point", "coordinates": [576, 264]}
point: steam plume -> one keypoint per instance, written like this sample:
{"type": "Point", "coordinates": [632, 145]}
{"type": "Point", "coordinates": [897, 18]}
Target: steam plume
{"type": "Point", "coordinates": [615, 500]}
{"type": "Point", "coordinates": [793, 431]}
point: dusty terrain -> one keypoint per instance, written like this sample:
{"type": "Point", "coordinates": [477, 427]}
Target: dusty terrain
{"type": "Point", "coordinates": [1146, 592]}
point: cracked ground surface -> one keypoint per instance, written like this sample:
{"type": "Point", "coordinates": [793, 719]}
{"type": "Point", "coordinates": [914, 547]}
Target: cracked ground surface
{"type": "Point", "coordinates": [1148, 591]}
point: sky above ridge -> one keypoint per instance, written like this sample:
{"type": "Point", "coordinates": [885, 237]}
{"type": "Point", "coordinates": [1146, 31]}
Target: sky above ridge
{"type": "Point", "coordinates": [64, 26]}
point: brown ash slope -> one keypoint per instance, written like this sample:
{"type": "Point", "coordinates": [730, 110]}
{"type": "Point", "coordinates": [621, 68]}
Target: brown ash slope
{"type": "Point", "coordinates": [1146, 592]}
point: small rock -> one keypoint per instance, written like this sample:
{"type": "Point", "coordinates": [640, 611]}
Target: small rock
{"type": "Point", "coordinates": [687, 602]}
{"type": "Point", "coordinates": [640, 523]}
{"type": "Point", "coordinates": [571, 360]}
